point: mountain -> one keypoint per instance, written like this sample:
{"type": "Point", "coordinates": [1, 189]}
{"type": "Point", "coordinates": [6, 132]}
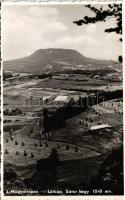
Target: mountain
{"type": "Point", "coordinates": [44, 60]}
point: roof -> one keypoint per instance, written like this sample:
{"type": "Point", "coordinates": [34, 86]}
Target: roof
{"type": "Point", "coordinates": [61, 98]}
{"type": "Point", "coordinates": [102, 126]}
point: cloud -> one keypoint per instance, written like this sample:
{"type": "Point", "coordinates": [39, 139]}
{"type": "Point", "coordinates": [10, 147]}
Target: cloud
{"type": "Point", "coordinates": [27, 31]}
{"type": "Point", "coordinates": [28, 28]}
{"type": "Point", "coordinates": [79, 42]}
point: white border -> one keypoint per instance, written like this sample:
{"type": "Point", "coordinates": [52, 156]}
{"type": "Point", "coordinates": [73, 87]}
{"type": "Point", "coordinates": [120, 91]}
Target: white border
{"type": "Point", "coordinates": [123, 52]}
{"type": "Point", "coordinates": [49, 3]}
{"type": "Point", "coordinates": [63, 198]}
{"type": "Point", "coordinates": [1, 114]}
{"type": "Point", "coordinates": [61, 2]}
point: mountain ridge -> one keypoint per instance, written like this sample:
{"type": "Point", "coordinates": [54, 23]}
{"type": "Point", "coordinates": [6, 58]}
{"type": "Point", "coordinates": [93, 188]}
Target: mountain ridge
{"type": "Point", "coordinates": [55, 59]}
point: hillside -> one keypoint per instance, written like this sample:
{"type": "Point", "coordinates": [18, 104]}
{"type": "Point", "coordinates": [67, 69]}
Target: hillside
{"type": "Point", "coordinates": [44, 60]}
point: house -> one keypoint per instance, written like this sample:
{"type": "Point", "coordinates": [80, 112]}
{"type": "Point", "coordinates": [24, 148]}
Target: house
{"type": "Point", "coordinates": [61, 98]}
{"type": "Point", "coordinates": [99, 127]}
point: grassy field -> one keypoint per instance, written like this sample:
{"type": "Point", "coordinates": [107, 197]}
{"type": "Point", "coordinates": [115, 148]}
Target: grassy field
{"type": "Point", "coordinates": [92, 148]}
{"type": "Point", "coordinates": [73, 133]}
{"type": "Point", "coordinates": [47, 87]}
{"type": "Point", "coordinates": [20, 95]}
{"type": "Point", "coordinates": [39, 152]}
{"type": "Point", "coordinates": [92, 84]}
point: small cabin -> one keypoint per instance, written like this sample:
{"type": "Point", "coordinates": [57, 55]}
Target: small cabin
{"type": "Point", "coordinates": [96, 128]}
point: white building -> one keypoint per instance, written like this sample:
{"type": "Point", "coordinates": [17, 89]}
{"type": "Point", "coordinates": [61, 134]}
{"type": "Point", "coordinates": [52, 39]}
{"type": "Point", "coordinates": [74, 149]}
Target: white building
{"type": "Point", "coordinates": [61, 98]}
{"type": "Point", "coordinates": [99, 127]}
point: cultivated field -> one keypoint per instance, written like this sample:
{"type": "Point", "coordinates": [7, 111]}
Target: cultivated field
{"type": "Point", "coordinates": [86, 151]}
{"type": "Point", "coordinates": [92, 148]}
{"type": "Point", "coordinates": [82, 85]}
{"type": "Point", "coordinates": [106, 113]}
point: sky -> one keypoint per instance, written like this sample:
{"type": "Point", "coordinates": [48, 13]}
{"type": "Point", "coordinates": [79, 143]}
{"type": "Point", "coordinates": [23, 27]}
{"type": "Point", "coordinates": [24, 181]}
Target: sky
{"type": "Point", "coordinates": [27, 28]}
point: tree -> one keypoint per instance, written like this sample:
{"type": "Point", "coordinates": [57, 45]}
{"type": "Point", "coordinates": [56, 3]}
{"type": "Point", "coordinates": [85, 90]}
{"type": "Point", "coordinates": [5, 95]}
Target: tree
{"type": "Point", "coordinates": [120, 59]}
{"type": "Point", "coordinates": [103, 14]}
{"type": "Point", "coordinates": [45, 120]}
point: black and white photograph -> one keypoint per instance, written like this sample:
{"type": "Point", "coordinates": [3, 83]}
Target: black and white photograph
{"type": "Point", "coordinates": [62, 99]}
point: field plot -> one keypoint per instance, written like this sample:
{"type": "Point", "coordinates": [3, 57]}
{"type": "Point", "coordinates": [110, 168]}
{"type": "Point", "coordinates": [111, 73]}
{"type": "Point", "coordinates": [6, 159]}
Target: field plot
{"type": "Point", "coordinates": [30, 96]}
{"type": "Point", "coordinates": [77, 129]}
{"type": "Point", "coordinates": [80, 152]}
{"type": "Point", "coordinates": [39, 148]}
{"type": "Point", "coordinates": [91, 150]}
{"type": "Point", "coordinates": [83, 85]}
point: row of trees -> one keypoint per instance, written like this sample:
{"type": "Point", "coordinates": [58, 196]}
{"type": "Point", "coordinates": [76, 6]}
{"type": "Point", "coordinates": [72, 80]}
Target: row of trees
{"type": "Point", "coordinates": [13, 112]}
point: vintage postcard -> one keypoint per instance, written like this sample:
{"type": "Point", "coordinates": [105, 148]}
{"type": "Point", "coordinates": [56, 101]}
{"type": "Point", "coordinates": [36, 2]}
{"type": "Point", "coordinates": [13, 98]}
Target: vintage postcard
{"type": "Point", "coordinates": [62, 101]}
